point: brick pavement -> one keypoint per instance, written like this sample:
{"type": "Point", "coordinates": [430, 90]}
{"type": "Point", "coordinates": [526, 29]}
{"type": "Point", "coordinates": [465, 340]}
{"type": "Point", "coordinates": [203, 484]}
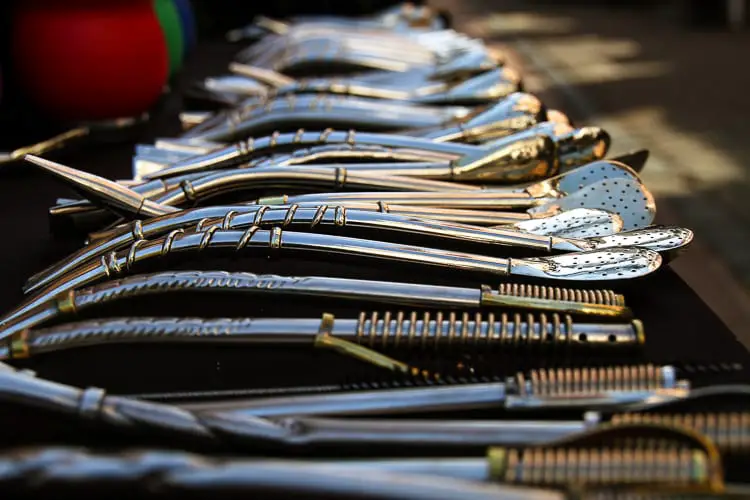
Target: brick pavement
{"type": "Point", "coordinates": [651, 82]}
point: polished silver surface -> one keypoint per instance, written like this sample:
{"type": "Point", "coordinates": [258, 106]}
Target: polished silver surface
{"type": "Point", "coordinates": [263, 146]}
{"type": "Point", "coordinates": [128, 202]}
{"type": "Point", "coordinates": [583, 302]}
{"type": "Point", "coordinates": [308, 178]}
{"type": "Point", "coordinates": [663, 239]}
{"type": "Point", "coordinates": [617, 264]}
{"type": "Point", "coordinates": [480, 89]}
{"type": "Point", "coordinates": [467, 332]}
{"type": "Point", "coordinates": [400, 17]}
{"type": "Point", "coordinates": [117, 198]}
{"type": "Point", "coordinates": [614, 264]}
{"type": "Point", "coordinates": [517, 112]}
{"type": "Point", "coordinates": [313, 111]}
{"type": "Point", "coordinates": [576, 384]}
{"type": "Point", "coordinates": [605, 185]}
{"type": "Point", "coordinates": [577, 223]}
{"type": "Point", "coordinates": [626, 197]}
{"type": "Point", "coordinates": [300, 48]}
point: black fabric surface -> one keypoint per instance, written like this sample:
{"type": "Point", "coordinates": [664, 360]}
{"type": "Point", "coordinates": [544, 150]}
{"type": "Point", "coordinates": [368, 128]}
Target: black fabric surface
{"type": "Point", "coordinates": [679, 326]}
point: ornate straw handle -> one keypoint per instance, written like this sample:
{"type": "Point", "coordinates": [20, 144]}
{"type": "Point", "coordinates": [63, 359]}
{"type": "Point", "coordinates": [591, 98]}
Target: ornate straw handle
{"type": "Point", "coordinates": [376, 331]}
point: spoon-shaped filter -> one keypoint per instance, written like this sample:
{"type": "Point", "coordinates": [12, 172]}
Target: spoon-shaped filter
{"type": "Point", "coordinates": [596, 265]}
{"type": "Point", "coordinates": [663, 239]}
{"type": "Point", "coordinates": [579, 223]}
{"type": "Point", "coordinates": [603, 185]}
{"type": "Point", "coordinates": [628, 198]}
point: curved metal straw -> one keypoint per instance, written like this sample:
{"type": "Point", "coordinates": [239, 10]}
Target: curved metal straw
{"type": "Point", "coordinates": [577, 223]}
{"type": "Point", "coordinates": [565, 187]}
{"type": "Point", "coordinates": [184, 474]}
{"type": "Point", "coordinates": [502, 119]}
{"type": "Point", "coordinates": [608, 265]}
{"type": "Point", "coordinates": [604, 185]}
{"type": "Point", "coordinates": [314, 111]}
{"type": "Point", "coordinates": [123, 200]}
{"type": "Point", "coordinates": [607, 388]}
{"type": "Point", "coordinates": [622, 192]}
{"type": "Point", "coordinates": [323, 217]}
{"type": "Point", "coordinates": [582, 302]}
{"type": "Point", "coordinates": [392, 330]}
{"type": "Point", "coordinates": [514, 113]}
{"type": "Point", "coordinates": [476, 90]}
{"type": "Point", "coordinates": [523, 159]}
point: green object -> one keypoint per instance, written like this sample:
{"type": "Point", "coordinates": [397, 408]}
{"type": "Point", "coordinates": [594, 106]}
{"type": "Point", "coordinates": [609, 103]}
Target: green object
{"type": "Point", "coordinates": [171, 25]}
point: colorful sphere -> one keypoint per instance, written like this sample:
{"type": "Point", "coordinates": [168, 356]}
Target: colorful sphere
{"type": "Point", "coordinates": [171, 25]}
{"type": "Point", "coordinates": [89, 60]}
{"type": "Point", "coordinates": [189, 28]}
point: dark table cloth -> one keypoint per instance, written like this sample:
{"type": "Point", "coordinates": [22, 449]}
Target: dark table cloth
{"type": "Point", "coordinates": [680, 328]}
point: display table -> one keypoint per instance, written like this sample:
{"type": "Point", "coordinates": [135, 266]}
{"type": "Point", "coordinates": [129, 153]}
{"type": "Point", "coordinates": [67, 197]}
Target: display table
{"type": "Point", "coordinates": [680, 328]}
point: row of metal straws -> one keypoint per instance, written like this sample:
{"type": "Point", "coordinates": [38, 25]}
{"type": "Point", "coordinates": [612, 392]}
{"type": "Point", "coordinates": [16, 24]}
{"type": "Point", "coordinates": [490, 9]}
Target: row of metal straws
{"type": "Point", "coordinates": [355, 138]}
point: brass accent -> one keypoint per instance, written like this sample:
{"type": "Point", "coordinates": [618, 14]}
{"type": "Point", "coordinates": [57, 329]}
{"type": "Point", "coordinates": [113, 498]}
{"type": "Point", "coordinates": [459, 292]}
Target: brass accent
{"type": "Point", "coordinates": [207, 235]}
{"type": "Point", "coordinates": [339, 216]}
{"type": "Point", "coordinates": [19, 345]}
{"type": "Point", "coordinates": [556, 299]}
{"type": "Point", "coordinates": [326, 340]}
{"type": "Point", "coordinates": [130, 259]}
{"type": "Point", "coordinates": [274, 200]}
{"type": "Point", "coordinates": [66, 303]}
{"type": "Point", "coordinates": [360, 352]}
{"type": "Point", "coordinates": [189, 190]}
{"type": "Point", "coordinates": [547, 466]}
{"type": "Point", "coordinates": [326, 324]}
{"type": "Point", "coordinates": [275, 241]}
{"type": "Point", "coordinates": [497, 463]}
{"type": "Point", "coordinates": [640, 332]}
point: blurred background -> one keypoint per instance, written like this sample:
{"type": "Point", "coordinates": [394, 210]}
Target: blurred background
{"type": "Point", "coordinates": [668, 75]}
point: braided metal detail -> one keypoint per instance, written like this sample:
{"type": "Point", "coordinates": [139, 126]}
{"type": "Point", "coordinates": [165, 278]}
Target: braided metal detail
{"type": "Point", "coordinates": [246, 147]}
{"type": "Point", "coordinates": [189, 191]}
{"type": "Point", "coordinates": [246, 237]}
{"type": "Point", "coordinates": [124, 329]}
{"type": "Point", "coordinates": [166, 246]}
{"type": "Point", "coordinates": [274, 139]}
{"type": "Point", "coordinates": [181, 280]}
{"type": "Point", "coordinates": [298, 136]}
{"type": "Point", "coordinates": [325, 134]}
{"type": "Point", "coordinates": [137, 230]}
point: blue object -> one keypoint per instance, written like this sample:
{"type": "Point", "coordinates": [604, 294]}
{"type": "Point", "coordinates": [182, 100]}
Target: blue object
{"type": "Point", "coordinates": [187, 20]}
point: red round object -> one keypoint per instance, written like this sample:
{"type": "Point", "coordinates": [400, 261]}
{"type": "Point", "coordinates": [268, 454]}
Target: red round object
{"type": "Point", "coordinates": [90, 59]}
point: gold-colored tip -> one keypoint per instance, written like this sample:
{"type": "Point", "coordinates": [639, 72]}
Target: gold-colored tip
{"type": "Point", "coordinates": [19, 345]}
{"type": "Point", "coordinates": [639, 331]}
{"type": "Point", "coordinates": [491, 299]}
{"type": "Point", "coordinates": [324, 339]}
{"type": "Point", "coordinates": [497, 463]}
